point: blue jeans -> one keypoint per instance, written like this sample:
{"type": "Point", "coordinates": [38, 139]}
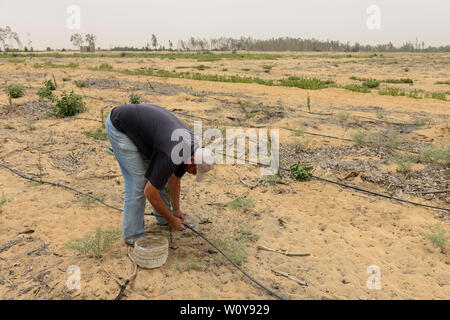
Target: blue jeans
{"type": "Point", "coordinates": [133, 168]}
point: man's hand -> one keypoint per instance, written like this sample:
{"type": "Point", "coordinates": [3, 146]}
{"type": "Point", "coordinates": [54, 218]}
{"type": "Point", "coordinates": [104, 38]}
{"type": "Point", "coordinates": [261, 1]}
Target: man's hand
{"type": "Point", "coordinates": [153, 195]}
{"type": "Point", "coordinates": [176, 224]}
{"type": "Point", "coordinates": [179, 214]}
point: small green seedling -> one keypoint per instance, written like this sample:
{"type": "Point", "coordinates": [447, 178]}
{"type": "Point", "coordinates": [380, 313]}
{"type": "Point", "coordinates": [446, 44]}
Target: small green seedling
{"type": "Point", "coordinates": [241, 204]}
{"type": "Point", "coordinates": [15, 91]}
{"type": "Point", "coordinates": [204, 220]}
{"type": "Point", "coordinates": [99, 134]}
{"type": "Point", "coordinates": [189, 265]}
{"type": "Point", "coordinates": [135, 98]}
{"type": "Point", "coordinates": [69, 105]}
{"type": "Point", "coordinates": [438, 236]}
{"type": "Point", "coordinates": [301, 174]}
{"type": "Point", "coordinates": [95, 244]}
{"type": "Point", "coordinates": [3, 200]}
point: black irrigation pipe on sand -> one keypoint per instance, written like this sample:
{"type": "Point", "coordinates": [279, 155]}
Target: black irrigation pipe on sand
{"type": "Point", "coordinates": [205, 238]}
{"type": "Point", "coordinates": [372, 192]}
{"type": "Point", "coordinates": [122, 288]}
{"type": "Point", "coordinates": [57, 185]}
{"type": "Point", "coordinates": [379, 194]}
{"type": "Point", "coordinates": [289, 129]}
{"type": "Point", "coordinates": [234, 263]}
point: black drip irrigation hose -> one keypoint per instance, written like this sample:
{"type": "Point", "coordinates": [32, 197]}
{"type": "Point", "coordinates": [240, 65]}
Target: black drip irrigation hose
{"type": "Point", "coordinates": [234, 263]}
{"type": "Point", "coordinates": [379, 194]}
{"type": "Point", "coordinates": [122, 288]}
{"type": "Point", "coordinates": [286, 169]}
{"type": "Point", "coordinates": [374, 193]}
{"type": "Point", "coordinates": [57, 185]}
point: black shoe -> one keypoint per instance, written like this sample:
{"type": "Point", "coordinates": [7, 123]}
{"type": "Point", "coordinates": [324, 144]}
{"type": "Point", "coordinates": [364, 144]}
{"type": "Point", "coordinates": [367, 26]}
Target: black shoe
{"type": "Point", "coordinates": [129, 244]}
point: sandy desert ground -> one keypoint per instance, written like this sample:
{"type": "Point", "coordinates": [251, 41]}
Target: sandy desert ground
{"type": "Point", "coordinates": [344, 230]}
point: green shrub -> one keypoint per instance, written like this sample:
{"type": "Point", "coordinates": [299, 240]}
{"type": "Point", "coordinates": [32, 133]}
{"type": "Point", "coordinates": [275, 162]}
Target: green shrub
{"type": "Point", "coordinates": [273, 179]}
{"type": "Point", "coordinates": [357, 88]}
{"type": "Point", "coordinates": [47, 90]}
{"type": "Point", "coordinates": [106, 67]}
{"type": "Point", "coordinates": [421, 122]}
{"type": "Point", "coordinates": [241, 204]}
{"type": "Point", "coordinates": [439, 96]}
{"type": "Point", "coordinates": [402, 80]}
{"type": "Point", "coordinates": [390, 140]}
{"type": "Point", "coordinates": [99, 134]}
{"type": "Point", "coordinates": [135, 98]}
{"type": "Point", "coordinates": [247, 234]}
{"type": "Point", "coordinates": [380, 115]}
{"type": "Point", "coordinates": [50, 64]}
{"type": "Point", "coordinates": [267, 68]}
{"type": "Point", "coordinates": [234, 249]}
{"type": "Point", "coordinates": [301, 174]}
{"type": "Point", "coordinates": [416, 94]}
{"type": "Point", "coordinates": [81, 84]}
{"type": "Point", "coordinates": [443, 82]}
{"type": "Point", "coordinates": [403, 162]}
{"type": "Point", "coordinates": [305, 83]}
{"type": "Point", "coordinates": [204, 220]}
{"type": "Point", "coordinates": [371, 83]}
{"type": "Point", "coordinates": [189, 265]}
{"type": "Point", "coordinates": [3, 200]}
{"type": "Point", "coordinates": [390, 91]}
{"type": "Point", "coordinates": [15, 91]}
{"type": "Point", "coordinates": [46, 93]}
{"type": "Point", "coordinates": [69, 105]}
{"type": "Point", "coordinates": [437, 154]}
{"type": "Point", "coordinates": [201, 67]}
{"type": "Point", "coordinates": [343, 115]}
{"type": "Point", "coordinates": [94, 245]}
{"type": "Point", "coordinates": [438, 236]}
{"type": "Point", "coordinates": [48, 84]}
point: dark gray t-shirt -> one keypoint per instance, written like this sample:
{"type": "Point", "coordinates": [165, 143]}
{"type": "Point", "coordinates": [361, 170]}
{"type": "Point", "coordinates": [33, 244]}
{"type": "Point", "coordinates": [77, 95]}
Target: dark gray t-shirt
{"type": "Point", "coordinates": [150, 127]}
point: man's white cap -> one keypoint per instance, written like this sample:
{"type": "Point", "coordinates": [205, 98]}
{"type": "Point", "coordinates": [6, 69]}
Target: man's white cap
{"type": "Point", "coordinates": [204, 159]}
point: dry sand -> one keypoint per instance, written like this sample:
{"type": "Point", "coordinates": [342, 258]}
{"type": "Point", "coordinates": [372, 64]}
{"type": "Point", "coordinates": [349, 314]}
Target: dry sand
{"type": "Point", "coordinates": [344, 230]}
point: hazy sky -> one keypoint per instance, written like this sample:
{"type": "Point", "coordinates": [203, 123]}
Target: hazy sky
{"type": "Point", "coordinates": [131, 22]}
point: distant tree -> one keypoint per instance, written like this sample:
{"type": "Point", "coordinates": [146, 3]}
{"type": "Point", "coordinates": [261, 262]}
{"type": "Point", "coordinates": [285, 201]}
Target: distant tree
{"type": "Point", "coordinates": [154, 41]}
{"type": "Point", "coordinates": [25, 49]}
{"type": "Point", "coordinates": [49, 49]}
{"type": "Point", "coordinates": [91, 39]}
{"type": "Point", "coordinates": [170, 45]}
{"type": "Point", "coordinates": [181, 45]}
{"type": "Point", "coordinates": [7, 34]}
{"type": "Point", "coordinates": [29, 42]}
{"type": "Point", "coordinates": [77, 40]}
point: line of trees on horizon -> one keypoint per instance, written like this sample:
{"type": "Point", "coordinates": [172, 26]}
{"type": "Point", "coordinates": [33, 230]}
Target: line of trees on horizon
{"type": "Point", "coordinates": [282, 44]}
{"type": "Point", "coordinates": [8, 36]}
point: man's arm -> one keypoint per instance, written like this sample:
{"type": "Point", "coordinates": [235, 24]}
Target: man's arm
{"type": "Point", "coordinates": [152, 194]}
{"type": "Point", "coordinates": [175, 187]}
